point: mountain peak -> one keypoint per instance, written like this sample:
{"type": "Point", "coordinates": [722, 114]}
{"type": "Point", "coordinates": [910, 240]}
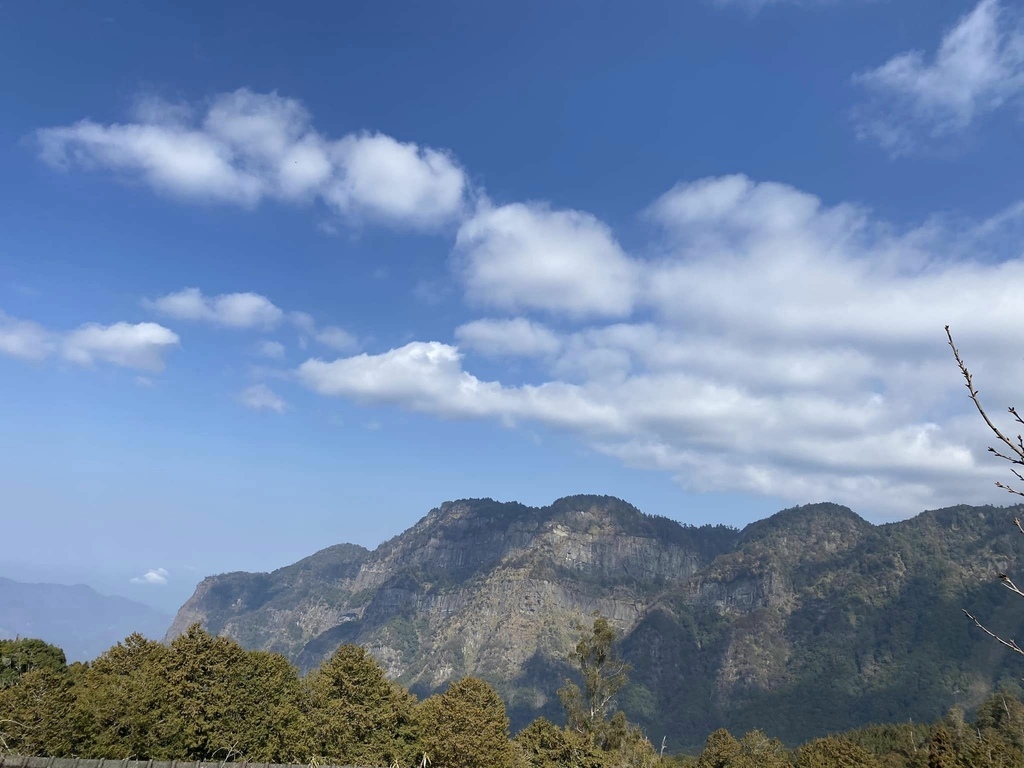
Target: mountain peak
{"type": "Point", "coordinates": [823, 528]}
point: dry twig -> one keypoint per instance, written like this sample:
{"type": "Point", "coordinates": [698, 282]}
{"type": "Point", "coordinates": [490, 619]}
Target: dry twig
{"type": "Point", "coordinates": [1016, 452]}
{"type": "Point", "coordinates": [1011, 644]}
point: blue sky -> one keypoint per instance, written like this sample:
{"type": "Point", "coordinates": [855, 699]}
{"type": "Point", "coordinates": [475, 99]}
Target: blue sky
{"type": "Point", "coordinates": [274, 280]}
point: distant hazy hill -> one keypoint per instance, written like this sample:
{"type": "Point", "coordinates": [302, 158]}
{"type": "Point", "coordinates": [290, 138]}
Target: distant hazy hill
{"type": "Point", "coordinates": [810, 621]}
{"type": "Point", "coordinates": [78, 619]}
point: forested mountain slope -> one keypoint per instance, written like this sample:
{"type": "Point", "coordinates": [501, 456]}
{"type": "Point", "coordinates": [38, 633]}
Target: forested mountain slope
{"type": "Point", "coordinates": [810, 621]}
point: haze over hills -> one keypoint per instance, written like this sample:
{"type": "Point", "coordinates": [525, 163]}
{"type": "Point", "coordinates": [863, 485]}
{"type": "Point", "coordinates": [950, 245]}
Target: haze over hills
{"type": "Point", "coordinates": [83, 622]}
{"type": "Point", "coordinates": [810, 621]}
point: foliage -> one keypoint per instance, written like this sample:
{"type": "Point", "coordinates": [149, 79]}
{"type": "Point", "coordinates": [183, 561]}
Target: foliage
{"type": "Point", "coordinates": [356, 715]}
{"type": "Point", "coordinates": [36, 714]}
{"type": "Point", "coordinates": [834, 752]}
{"type": "Point", "coordinates": [120, 699]}
{"type": "Point", "coordinates": [544, 745]}
{"type": "Point", "coordinates": [205, 698]}
{"type": "Point", "coordinates": [720, 750]}
{"type": "Point", "coordinates": [466, 727]}
{"type": "Point", "coordinates": [25, 654]}
{"type": "Point", "coordinates": [604, 675]}
{"type": "Point", "coordinates": [226, 703]}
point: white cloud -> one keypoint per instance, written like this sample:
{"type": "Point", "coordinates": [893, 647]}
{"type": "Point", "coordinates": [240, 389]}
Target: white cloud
{"type": "Point", "coordinates": [272, 349]}
{"type": "Point", "coordinates": [155, 576]}
{"type": "Point", "coordinates": [775, 263]}
{"type": "Point", "coordinates": [260, 397]}
{"type": "Point", "coordinates": [777, 345]}
{"type": "Point", "coordinates": [386, 179]}
{"type": "Point", "coordinates": [517, 337]}
{"type": "Point", "coordinates": [978, 67]}
{"type": "Point", "coordinates": [24, 339]}
{"type": "Point", "coordinates": [232, 310]}
{"type": "Point", "coordinates": [420, 374]}
{"type": "Point", "coordinates": [248, 147]}
{"type": "Point", "coordinates": [336, 338]}
{"type": "Point", "coordinates": [140, 345]}
{"type": "Point", "coordinates": [530, 257]}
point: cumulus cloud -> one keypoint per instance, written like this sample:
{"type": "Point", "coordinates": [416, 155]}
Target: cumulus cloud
{"type": "Point", "coordinates": [776, 263]}
{"type": "Point", "coordinates": [231, 310]}
{"type": "Point", "coordinates": [23, 339]}
{"type": "Point", "coordinates": [260, 397]}
{"type": "Point", "coordinates": [140, 345]}
{"type": "Point", "coordinates": [978, 68]}
{"type": "Point", "coordinates": [523, 256]}
{"type": "Point", "coordinates": [776, 345]}
{"type": "Point", "coordinates": [155, 576]}
{"type": "Point", "coordinates": [402, 182]}
{"type": "Point", "coordinates": [517, 337]}
{"type": "Point", "coordinates": [248, 147]}
{"type": "Point", "coordinates": [427, 376]}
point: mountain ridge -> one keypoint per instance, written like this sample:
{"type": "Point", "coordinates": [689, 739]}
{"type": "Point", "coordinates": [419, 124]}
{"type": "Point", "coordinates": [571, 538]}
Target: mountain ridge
{"type": "Point", "coordinates": [82, 621]}
{"type": "Point", "coordinates": [805, 613]}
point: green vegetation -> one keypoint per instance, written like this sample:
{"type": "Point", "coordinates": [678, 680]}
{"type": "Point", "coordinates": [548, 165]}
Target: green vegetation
{"type": "Point", "coordinates": [466, 727]}
{"type": "Point", "coordinates": [204, 697]}
{"type": "Point", "coordinates": [23, 655]}
{"type": "Point", "coordinates": [356, 715]}
{"type": "Point", "coordinates": [604, 675]}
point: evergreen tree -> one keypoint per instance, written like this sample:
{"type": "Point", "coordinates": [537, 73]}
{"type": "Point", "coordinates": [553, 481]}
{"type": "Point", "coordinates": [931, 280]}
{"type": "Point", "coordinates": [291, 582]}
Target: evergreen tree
{"type": "Point", "coordinates": [357, 716]}
{"type": "Point", "coordinates": [269, 693]}
{"type": "Point", "coordinates": [940, 750]}
{"type": "Point", "coordinates": [759, 751]}
{"type": "Point", "coordinates": [119, 697]}
{"type": "Point", "coordinates": [36, 714]}
{"type": "Point", "coordinates": [466, 727]}
{"type": "Point", "coordinates": [544, 745]}
{"type": "Point", "coordinates": [224, 703]}
{"type": "Point", "coordinates": [720, 748]}
{"type": "Point", "coordinates": [23, 655]}
{"type": "Point", "coordinates": [834, 752]}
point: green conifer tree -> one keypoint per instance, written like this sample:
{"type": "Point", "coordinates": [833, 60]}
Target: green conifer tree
{"type": "Point", "coordinates": [119, 699]}
{"type": "Point", "coordinates": [544, 745]}
{"type": "Point", "coordinates": [357, 716]}
{"type": "Point", "coordinates": [834, 752]}
{"type": "Point", "coordinates": [940, 750]}
{"type": "Point", "coordinates": [36, 714]}
{"type": "Point", "coordinates": [720, 748]}
{"type": "Point", "coordinates": [25, 654]}
{"type": "Point", "coordinates": [466, 727]}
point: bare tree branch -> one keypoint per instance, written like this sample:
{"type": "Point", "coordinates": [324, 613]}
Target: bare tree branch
{"type": "Point", "coordinates": [1016, 456]}
{"type": "Point", "coordinates": [1011, 644]}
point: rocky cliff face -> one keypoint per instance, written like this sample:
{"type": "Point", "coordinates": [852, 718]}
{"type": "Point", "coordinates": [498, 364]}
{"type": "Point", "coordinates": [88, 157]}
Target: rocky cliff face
{"type": "Point", "coordinates": [811, 620]}
{"type": "Point", "coordinates": [474, 587]}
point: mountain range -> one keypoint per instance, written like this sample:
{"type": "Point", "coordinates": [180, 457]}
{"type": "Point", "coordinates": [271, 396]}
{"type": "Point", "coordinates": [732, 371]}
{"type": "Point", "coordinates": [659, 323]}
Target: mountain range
{"type": "Point", "coordinates": [83, 622]}
{"type": "Point", "coordinates": [807, 622]}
